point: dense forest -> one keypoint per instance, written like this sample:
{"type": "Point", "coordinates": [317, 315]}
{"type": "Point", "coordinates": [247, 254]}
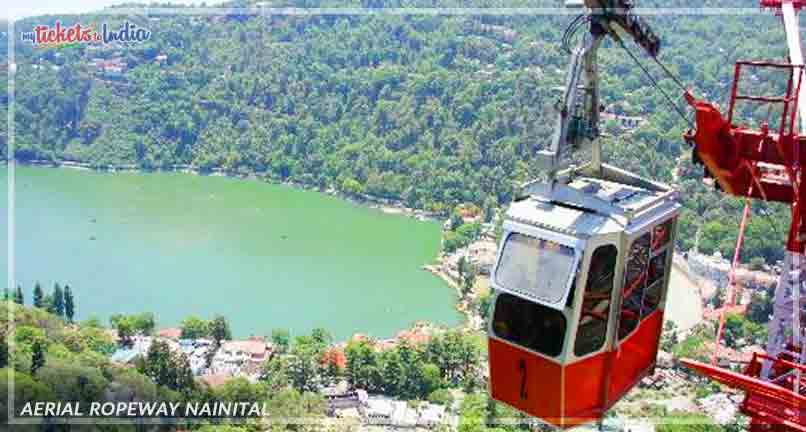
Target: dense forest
{"type": "Point", "coordinates": [432, 110]}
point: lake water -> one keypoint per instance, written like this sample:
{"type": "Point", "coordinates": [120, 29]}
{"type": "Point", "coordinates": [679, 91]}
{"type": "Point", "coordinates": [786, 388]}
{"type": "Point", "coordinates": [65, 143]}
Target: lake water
{"type": "Point", "coordinates": [263, 255]}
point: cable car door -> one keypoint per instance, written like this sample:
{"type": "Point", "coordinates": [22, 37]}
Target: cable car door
{"type": "Point", "coordinates": [640, 319]}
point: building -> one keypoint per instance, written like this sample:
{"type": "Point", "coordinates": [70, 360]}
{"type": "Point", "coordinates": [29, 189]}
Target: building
{"type": "Point", "coordinates": [173, 333]}
{"type": "Point", "coordinates": [138, 348]}
{"type": "Point", "coordinates": [383, 411]}
{"type": "Point", "coordinates": [240, 357]}
{"type": "Point", "coordinates": [340, 399]}
{"type": "Point", "coordinates": [624, 121]}
{"type": "Point", "coordinates": [431, 415]}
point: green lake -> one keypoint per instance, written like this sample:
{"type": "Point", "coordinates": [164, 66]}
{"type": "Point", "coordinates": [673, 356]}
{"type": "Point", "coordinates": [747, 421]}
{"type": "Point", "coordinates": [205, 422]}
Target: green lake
{"type": "Point", "coordinates": [263, 255]}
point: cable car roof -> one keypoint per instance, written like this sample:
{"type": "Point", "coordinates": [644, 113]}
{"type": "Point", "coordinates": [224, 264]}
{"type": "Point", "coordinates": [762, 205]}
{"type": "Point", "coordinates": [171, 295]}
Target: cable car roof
{"type": "Point", "coordinates": [589, 206]}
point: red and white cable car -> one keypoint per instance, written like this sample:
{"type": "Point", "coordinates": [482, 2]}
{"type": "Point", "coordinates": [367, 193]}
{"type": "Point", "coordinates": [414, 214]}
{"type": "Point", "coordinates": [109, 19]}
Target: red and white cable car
{"type": "Point", "coordinates": [583, 266]}
{"type": "Point", "coordinates": [581, 281]}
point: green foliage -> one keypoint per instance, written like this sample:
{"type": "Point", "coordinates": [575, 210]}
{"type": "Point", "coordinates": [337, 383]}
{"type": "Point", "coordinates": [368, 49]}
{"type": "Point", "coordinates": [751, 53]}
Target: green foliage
{"type": "Point", "coordinates": [460, 237]}
{"type": "Point", "coordinates": [69, 304]}
{"type": "Point", "coordinates": [669, 337]}
{"type": "Point", "coordinates": [26, 389]}
{"type": "Point", "coordinates": [128, 326]}
{"type": "Point", "coordinates": [760, 308]}
{"type": "Point", "coordinates": [441, 396]}
{"type": "Point", "coordinates": [687, 422]}
{"type": "Point", "coordinates": [3, 352]}
{"type": "Point", "coordinates": [195, 328]}
{"type": "Point", "coordinates": [71, 381]}
{"type": "Point", "coordinates": [39, 300]}
{"type": "Point", "coordinates": [740, 332]}
{"type": "Point", "coordinates": [275, 373]}
{"type": "Point", "coordinates": [455, 354]}
{"type": "Point", "coordinates": [305, 364]}
{"type": "Point", "coordinates": [219, 329]}
{"type": "Point", "coordinates": [281, 340]}
{"type": "Point", "coordinates": [433, 111]}
{"type": "Point", "coordinates": [58, 300]}
{"type": "Point", "coordinates": [756, 263]}
{"type": "Point", "coordinates": [693, 346]}
{"type": "Point", "coordinates": [290, 404]}
{"type": "Point", "coordinates": [18, 296]}
{"type": "Point", "coordinates": [241, 390]}
{"type": "Point", "coordinates": [37, 356]}
{"type": "Point", "coordinates": [168, 369]}
{"type": "Point", "coordinates": [363, 366]}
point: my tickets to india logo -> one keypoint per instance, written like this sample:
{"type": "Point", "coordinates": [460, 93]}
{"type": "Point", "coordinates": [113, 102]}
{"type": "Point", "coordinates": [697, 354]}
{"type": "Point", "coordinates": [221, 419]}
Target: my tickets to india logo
{"type": "Point", "coordinates": [59, 35]}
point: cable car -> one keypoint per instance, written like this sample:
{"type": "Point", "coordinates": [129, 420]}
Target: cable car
{"type": "Point", "coordinates": [580, 279]}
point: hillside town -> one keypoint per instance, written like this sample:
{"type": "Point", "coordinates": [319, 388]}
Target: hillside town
{"type": "Point", "coordinates": [246, 358]}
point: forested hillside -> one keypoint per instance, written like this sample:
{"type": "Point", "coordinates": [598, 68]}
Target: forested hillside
{"type": "Point", "coordinates": [430, 110]}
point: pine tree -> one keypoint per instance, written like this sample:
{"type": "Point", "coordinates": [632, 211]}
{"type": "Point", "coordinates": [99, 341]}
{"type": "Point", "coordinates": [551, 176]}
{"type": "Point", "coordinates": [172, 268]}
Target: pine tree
{"type": "Point", "coordinates": [18, 297]}
{"type": "Point", "coordinates": [39, 296]}
{"type": "Point", "coordinates": [69, 305]}
{"type": "Point", "coordinates": [37, 357]}
{"type": "Point", "coordinates": [58, 300]}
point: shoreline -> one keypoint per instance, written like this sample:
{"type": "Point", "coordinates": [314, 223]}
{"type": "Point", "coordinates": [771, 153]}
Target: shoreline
{"type": "Point", "coordinates": [384, 205]}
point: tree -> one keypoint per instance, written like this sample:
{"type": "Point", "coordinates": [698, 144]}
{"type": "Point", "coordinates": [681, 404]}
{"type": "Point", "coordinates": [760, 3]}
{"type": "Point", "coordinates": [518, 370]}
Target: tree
{"type": "Point", "coordinates": [184, 381]}
{"type": "Point", "coordinates": [6, 294]}
{"type": "Point", "coordinates": [490, 204]}
{"type": "Point", "coordinates": [69, 304]}
{"type": "Point", "coordinates": [669, 338]}
{"type": "Point", "coordinates": [195, 328]}
{"type": "Point", "coordinates": [125, 330]}
{"type": "Point", "coordinates": [281, 340]}
{"type": "Point", "coordinates": [469, 280]}
{"type": "Point", "coordinates": [760, 308]}
{"type": "Point", "coordinates": [275, 373]}
{"type": "Point", "coordinates": [321, 337]}
{"type": "Point", "coordinates": [3, 352]}
{"type": "Point", "coordinates": [39, 296]}
{"type": "Point", "coordinates": [304, 364]}
{"type": "Point", "coordinates": [159, 364]}
{"type": "Point", "coordinates": [48, 304]}
{"type": "Point", "coordinates": [58, 300]}
{"type": "Point", "coordinates": [454, 353]}
{"type": "Point", "coordinates": [241, 390]}
{"type": "Point", "coordinates": [219, 329]}
{"type": "Point", "coordinates": [37, 357]}
{"type": "Point", "coordinates": [18, 296]}
{"type": "Point", "coordinates": [461, 266]}
{"type": "Point", "coordinates": [128, 326]}
{"type": "Point", "coordinates": [456, 220]}
{"type": "Point", "coordinates": [483, 306]}
{"type": "Point", "coordinates": [393, 373]}
{"type": "Point", "coordinates": [363, 370]}
{"type": "Point", "coordinates": [144, 323]}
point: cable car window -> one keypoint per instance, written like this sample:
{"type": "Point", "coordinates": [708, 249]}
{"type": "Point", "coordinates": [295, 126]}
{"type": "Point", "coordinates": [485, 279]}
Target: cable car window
{"type": "Point", "coordinates": [661, 235]}
{"type": "Point", "coordinates": [530, 325]}
{"type": "Point", "coordinates": [657, 271]}
{"type": "Point", "coordinates": [538, 268]}
{"type": "Point", "coordinates": [635, 276]}
{"type": "Point", "coordinates": [592, 330]}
